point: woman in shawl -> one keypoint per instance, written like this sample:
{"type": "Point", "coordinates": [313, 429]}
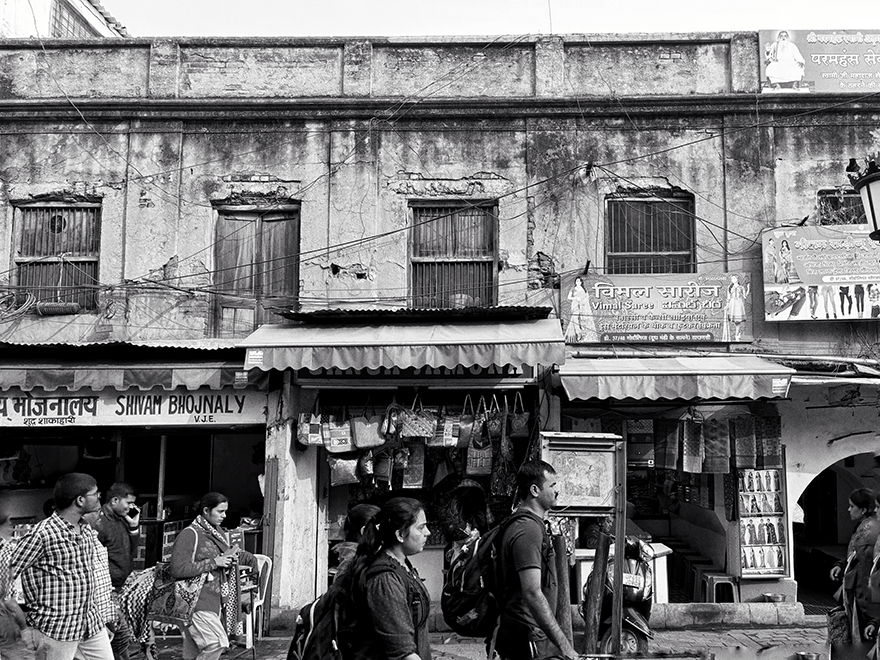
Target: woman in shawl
{"type": "Point", "coordinates": [204, 547]}
{"type": "Point", "coordinates": [861, 611]}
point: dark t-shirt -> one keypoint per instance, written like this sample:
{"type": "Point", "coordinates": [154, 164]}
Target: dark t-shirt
{"type": "Point", "coordinates": [525, 544]}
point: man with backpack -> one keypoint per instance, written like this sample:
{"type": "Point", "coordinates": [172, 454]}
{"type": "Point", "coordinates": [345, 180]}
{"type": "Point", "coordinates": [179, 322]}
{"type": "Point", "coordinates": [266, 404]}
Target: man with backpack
{"type": "Point", "coordinates": [528, 586]}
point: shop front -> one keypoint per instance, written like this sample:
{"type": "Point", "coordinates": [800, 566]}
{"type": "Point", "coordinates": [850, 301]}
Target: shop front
{"type": "Point", "coordinates": [706, 471]}
{"type": "Point", "coordinates": [441, 409]}
{"type": "Point", "coordinates": [174, 430]}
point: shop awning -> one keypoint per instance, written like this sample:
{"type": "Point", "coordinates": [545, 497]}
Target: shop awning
{"type": "Point", "coordinates": [96, 377]}
{"type": "Point", "coordinates": [733, 377]}
{"type": "Point", "coordinates": [405, 345]}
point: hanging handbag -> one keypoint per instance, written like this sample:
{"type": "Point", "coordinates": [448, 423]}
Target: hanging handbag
{"type": "Point", "coordinates": [479, 459]}
{"type": "Point", "coordinates": [446, 434]}
{"type": "Point", "coordinates": [414, 470]}
{"type": "Point", "coordinates": [308, 428]}
{"type": "Point", "coordinates": [465, 422]}
{"type": "Point", "coordinates": [478, 430]}
{"type": "Point", "coordinates": [390, 428]}
{"type": "Point", "coordinates": [382, 463]}
{"type": "Point", "coordinates": [494, 419]}
{"type": "Point", "coordinates": [417, 423]}
{"type": "Point", "coordinates": [365, 430]}
{"type": "Point", "coordinates": [337, 433]}
{"type": "Point", "coordinates": [343, 470]}
{"type": "Point", "coordinates": [518, 421]}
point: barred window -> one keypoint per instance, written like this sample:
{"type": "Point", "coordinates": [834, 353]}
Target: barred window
{"type": "Point", "coordinates": [67, 22]}
{"type": "Point", "coordinates": [57, 256]}
{"type": "Point", "coordinates": [257, 267]}
{"type": "Point", "coordinates": [650, 235]}
{"type": "Point", "coordinates": [454, 255]}
{"type": "Point", "coordinates": [840, 206]}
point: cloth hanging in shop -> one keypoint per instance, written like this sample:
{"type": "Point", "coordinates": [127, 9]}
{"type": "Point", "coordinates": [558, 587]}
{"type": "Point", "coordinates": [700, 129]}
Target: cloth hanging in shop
{"type": "Point", "coordinates": [666, 438]}
{"type": "Point", "coordinates": [742, 434]}
{"type": "Point", "coordinates": [768, 437]}
{"type": "Point", "coordinates": [716, 445]}
{"type": "Point", "coordinates": [692, 446]}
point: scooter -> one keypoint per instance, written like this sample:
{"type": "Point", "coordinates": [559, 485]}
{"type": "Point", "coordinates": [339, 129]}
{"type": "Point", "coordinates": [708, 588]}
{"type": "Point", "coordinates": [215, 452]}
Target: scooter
{"type": "Point", "coordinates": [637, 593]}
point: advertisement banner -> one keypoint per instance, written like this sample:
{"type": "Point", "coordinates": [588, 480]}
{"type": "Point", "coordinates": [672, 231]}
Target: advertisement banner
{"type": "Point", "coordinates": [132, 408]}
{"type": "Point", "coordinates": [820, 274]}
{"type": "Point", "coordinates": [657, 308]}
{"type": "Point", "coordinates": [820, 60]}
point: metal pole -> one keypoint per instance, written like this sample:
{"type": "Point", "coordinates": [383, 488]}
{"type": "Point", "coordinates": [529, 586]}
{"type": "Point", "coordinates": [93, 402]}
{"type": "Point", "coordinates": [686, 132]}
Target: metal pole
{"type": "Point", "coordinates": [595, 592]}
{"type": "Point", "coordinates": [619, 547]}
{"type": "Point", "coordinates": [160, 491]}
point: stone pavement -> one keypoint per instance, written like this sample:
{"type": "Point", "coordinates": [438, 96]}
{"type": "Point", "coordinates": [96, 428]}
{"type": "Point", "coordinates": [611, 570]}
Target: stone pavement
{"type": "Point", "coordinates": [771, 643]}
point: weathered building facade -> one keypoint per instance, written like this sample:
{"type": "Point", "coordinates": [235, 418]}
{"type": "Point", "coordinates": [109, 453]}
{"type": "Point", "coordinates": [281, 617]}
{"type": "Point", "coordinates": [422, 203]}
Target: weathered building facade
{"type": "Point", "coordinates": [161, 200]}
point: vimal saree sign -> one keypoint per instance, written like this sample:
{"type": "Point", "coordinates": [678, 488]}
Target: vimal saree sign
{"type": "Point", "coordinates": [820, 274]}
{"type": "Point", "coordinates": [657, 308]}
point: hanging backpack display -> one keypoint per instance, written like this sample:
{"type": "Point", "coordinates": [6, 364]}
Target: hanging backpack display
{"type": "Point", "coordinates": [479, 452]}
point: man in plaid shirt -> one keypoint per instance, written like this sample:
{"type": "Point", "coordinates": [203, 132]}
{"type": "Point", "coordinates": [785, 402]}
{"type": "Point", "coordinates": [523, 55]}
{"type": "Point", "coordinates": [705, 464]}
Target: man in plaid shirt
{"type": "Point", "coordinates": [66, 578]}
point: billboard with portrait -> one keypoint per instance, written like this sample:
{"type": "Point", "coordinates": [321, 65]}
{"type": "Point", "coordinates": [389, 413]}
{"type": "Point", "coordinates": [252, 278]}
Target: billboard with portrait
{"type": "Point", "coordinates": [657, 308]}
{"type": "Point", "coordinates": [820, 60]}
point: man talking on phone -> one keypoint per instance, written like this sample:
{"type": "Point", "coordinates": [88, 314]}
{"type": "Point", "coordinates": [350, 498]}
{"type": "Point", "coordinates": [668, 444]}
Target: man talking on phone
{"type": "Point", "coordinates": [118, 527]}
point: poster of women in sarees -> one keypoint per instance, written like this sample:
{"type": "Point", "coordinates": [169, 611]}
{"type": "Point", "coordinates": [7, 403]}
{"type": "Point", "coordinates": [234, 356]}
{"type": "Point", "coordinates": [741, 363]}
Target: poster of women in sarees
{"type": "Point", "coordinates": [657, 308]}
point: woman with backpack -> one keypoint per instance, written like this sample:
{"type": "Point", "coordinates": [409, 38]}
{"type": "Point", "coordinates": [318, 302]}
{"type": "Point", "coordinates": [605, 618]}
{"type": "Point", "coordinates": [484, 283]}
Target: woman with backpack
{"type": "Point", "coordinates": [386, 590]}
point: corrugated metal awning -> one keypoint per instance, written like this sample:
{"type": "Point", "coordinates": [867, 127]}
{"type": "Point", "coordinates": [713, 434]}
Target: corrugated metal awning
{"type": "Point", "coordinates": [405, 345]}
{"type": "Point", "coordinates": [733, 377]}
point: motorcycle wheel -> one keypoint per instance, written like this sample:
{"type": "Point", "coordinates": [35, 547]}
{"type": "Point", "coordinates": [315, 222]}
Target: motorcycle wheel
{"type": "Point", "coordinates": [632, 642]}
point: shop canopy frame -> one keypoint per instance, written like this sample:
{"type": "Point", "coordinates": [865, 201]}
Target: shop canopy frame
{"type": "Point", "coordinates": [734, 377]}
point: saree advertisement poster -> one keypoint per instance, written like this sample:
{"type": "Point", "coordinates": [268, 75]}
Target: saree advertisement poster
{"type": "Point", "coordinates": [820, 274]}
{"type": "Point", "coordinates": [819, 60]}
{"type": "Point", "coordinates": [657, 308]}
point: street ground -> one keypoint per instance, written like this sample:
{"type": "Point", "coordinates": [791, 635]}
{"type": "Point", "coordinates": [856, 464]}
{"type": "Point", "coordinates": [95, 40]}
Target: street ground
{"type": "Point", "coordinates": [776, 643]}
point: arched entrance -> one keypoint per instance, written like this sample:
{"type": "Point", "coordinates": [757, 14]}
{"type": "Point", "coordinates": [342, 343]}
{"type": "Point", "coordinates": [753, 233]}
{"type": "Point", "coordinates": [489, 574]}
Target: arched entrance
{"type": "Point", "coordinates": [822, 528]}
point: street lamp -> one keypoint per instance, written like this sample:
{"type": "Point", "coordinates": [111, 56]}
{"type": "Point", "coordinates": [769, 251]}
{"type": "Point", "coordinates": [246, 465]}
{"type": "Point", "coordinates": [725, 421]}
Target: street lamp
{"type": "Point", "coordinates": [867, 184]}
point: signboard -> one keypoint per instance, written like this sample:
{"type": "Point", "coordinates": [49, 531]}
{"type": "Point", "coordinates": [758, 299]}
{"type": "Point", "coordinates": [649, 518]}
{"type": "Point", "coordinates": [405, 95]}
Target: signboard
{"type": "Point", "coordinates": [820, 60]}
{"type": "Point", "coordinates": [657, 308]}
{"type": "Point", "coordinates": [820, 274]}
{"type": "Point", "coordinates": [588, 470]}
{"type": "Point", "coordinates": [156, 407]}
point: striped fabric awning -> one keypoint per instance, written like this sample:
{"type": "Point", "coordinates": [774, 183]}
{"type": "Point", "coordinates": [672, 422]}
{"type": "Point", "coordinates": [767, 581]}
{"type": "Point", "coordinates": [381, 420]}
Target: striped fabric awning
{"type": "Point", "coordinates": [142, 377]}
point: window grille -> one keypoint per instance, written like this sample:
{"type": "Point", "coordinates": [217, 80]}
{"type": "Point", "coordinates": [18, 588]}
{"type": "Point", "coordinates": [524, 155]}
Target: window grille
{"type": "Point", "coordinates": [650, 235]}
{"type": "Point", "coordinates": [454, 256]}
{"type": "Point", "coordinates": [58, 251]}
{"type": "Point", "coordinates": [67, 22]}
{"type": "Point", "coordinates": [840, 207]}
{"type": "Point", "coordinates": [257, 267]}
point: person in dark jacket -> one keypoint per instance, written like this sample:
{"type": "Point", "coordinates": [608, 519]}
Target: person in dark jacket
{"type": "Point", "coordinates": [862, 612]}
{"type": "Point", "coordinates": [386, 588]}
{"type": "Point", "coordinates": [204, 547]}
{"type": "Point", "coordinates": [118, 527]}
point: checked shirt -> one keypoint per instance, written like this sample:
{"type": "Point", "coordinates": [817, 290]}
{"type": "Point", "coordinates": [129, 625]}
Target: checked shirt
{"type": "Point", "coordinates": [66, 579]}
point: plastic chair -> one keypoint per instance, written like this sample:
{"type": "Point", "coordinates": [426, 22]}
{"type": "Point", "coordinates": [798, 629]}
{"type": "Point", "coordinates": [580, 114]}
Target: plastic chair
{"type": "Point", "coordinates": [264, 567]}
